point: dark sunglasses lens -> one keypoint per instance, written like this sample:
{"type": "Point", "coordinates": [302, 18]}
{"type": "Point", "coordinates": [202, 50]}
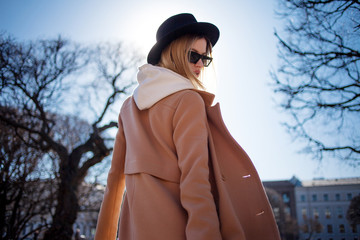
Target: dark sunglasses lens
{"type": "Point", "coordinates": [194, 57]}
{"type": "Point", "coordinates": [206, 61]}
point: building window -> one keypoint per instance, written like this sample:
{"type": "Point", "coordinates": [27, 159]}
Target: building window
{"type": "Point", "coordinates": [286, 197]}
{"type": "Point", "coordinates": [328, 213]}
{"type": "Point", "coordinates": [340, 212]}
{"type": "Point", "coordinates": [302, 198]}
{"type": "Point", "coordinates": [305, 228]}
{"type": "Point", "coordinates": [354, 228]}
{"type": "Point", "coordinates": [342, 228]}
{"type": "Point", "coordinates": [337, 197]}
{"type": "Point", "coordinates": [287, 212]}
{"type": "Point", "coordinates": [276, 211]}
{"type": "Point", "coordinates": [329, 228]}
{"type": "Point", "coordinates": [93, 230]}
{"type": "Point", "coordinates": [304, 212]}
{"type": "Point", "coordinates": [326, 197]}
{"type": "Point", "coordinates": [349, 196]}
{"type": "Point", "coordinates": [316, 213]}
{"type": "Point", "coordinates": [314, 197]}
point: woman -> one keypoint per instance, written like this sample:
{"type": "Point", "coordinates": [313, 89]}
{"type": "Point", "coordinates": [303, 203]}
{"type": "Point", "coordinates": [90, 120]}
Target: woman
{"type": "Point", "coordinates": [185, 176]}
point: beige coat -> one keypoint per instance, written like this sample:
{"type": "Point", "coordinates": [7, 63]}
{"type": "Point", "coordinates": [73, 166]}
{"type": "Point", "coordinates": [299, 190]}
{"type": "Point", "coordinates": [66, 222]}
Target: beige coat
{"type": "Point", "coordinates": [186, 177]}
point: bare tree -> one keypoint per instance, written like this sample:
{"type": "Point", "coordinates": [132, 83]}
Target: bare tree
{"type": "Point", "coordinates": [318, 80]}
{"type": "Point", "coordinates": [353, 212]}
{"type": "Point", "coordinates": [42, 80]}
{"type": "Point", "coordinates": [23, 197]}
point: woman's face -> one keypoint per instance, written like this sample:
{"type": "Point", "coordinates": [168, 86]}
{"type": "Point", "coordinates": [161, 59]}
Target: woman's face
{"type": "Point", "coordinates": [198, 46]}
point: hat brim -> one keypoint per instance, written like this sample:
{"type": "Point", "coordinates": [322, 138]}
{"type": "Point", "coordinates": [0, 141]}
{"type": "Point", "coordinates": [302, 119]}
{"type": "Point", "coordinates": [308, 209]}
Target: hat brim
{"type": "Point", "coordinates": [207, 30]}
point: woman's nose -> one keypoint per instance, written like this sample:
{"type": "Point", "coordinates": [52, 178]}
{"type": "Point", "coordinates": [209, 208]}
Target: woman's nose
{"type": "Point", "coordinates": [199, 63]}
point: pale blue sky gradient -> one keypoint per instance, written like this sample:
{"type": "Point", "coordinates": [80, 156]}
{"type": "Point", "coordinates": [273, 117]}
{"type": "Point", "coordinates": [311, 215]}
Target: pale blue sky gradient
{"type": "Point", "coordinates": [244, 55]}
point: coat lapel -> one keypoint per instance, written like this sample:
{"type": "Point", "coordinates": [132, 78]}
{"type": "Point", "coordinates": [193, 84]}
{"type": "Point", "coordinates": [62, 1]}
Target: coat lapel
{"type": "Point", "coordinates": [243, 207]}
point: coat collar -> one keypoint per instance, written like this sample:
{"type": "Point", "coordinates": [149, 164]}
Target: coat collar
{"type": "Point", "coordinates": [207, 97]}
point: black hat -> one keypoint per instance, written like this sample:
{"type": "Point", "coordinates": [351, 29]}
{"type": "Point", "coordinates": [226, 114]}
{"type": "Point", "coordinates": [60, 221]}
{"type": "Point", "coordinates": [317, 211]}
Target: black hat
{"type": "Point", "coordinates": [175, 27]}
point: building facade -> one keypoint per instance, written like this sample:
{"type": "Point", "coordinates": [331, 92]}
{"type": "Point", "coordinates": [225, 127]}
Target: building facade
{"type": "Point", "coordinates": [315, 209]}
{"type": "Point", "coordinates": [321, 207]}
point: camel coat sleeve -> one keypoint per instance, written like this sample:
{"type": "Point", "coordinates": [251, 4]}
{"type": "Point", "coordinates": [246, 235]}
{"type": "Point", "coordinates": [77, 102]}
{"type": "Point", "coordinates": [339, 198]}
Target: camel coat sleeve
{"type": "Point", "coordinates": [110, 208]}
{"type": "Point", "coordinates": [191, 141]}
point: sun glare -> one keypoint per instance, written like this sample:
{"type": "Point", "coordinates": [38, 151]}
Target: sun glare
{"type": "Point", "coordinates": [141, 31]}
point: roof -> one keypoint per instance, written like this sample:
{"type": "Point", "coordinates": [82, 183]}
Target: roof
{"type": "Point", "coordinates": [331, 182]}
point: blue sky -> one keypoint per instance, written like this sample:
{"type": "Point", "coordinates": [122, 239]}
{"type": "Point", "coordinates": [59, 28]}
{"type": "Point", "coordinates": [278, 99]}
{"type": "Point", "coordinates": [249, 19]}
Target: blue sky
{"type": "Point", "coordinates": [244, 55]}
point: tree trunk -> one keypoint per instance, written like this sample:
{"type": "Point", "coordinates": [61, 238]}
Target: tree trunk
{"type": "Point", "coordinates": [3, 194]}
{"type": "Point", "coordinates": [67, 207]}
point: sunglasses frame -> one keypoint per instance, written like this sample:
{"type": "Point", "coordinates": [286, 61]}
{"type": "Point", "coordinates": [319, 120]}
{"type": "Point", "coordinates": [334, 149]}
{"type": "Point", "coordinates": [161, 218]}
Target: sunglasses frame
{"type": "Point", "coordinates": [206, 60]}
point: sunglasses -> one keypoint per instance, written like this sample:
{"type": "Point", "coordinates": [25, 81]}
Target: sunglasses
{"type": "Point", "coordinates": [194, 57]}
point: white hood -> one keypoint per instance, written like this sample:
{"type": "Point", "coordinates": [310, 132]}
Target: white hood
{"type": "Point", "coordinates": [156, 83]}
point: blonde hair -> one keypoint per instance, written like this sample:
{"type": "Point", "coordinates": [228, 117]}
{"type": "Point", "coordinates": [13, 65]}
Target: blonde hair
{"type": "Point", "coordinates": [175, 57]}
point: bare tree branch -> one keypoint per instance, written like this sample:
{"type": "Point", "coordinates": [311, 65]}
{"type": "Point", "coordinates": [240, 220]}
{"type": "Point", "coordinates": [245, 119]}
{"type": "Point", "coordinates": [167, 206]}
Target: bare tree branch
{"type": "Point", "coordinates": [318, 79]}
{"type": "Point", "coordinates": [37, 78]}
